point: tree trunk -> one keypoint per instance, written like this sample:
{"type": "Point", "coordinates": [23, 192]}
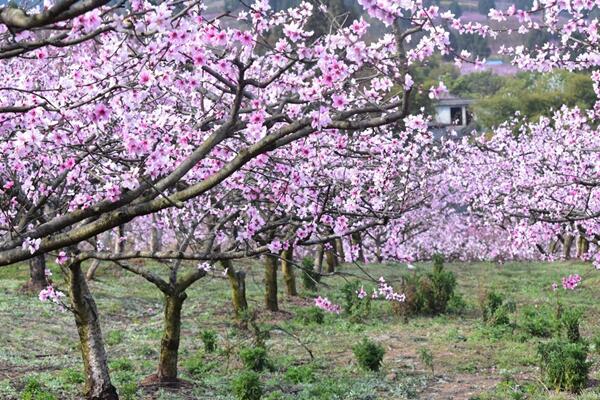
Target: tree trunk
{"type": "Point", "coordinates": [289, 277]}
{"type": "Point", "coordinates": [155, 236]}
{"type": "Point", "coordinates": [339, 249]}
{"type": "Point", "coordinates": [37, 273]}
{"type": "Point", "coordinates": [567, 244]}
{"type": "Point", "coordinates": [583, 246]}
{"type": "Point", "coordinates": [357, 241]}
{"type": "Point", "coordinates": [319, 259]}
{"type": "Point", "coordinates": [331, 261]}
{"type": "Point", "coordinates": [169, 346]}
{"type": "Point", "coordinates": [237, 280]}
{"type": "Point", "coordinates": [97, 378]}
{"type": "Point", "coordinates": [271, 282]}
{"type": "Point", "coordinates": [91, 272]}
{"type": "Point", "coordinates": [119, 245]}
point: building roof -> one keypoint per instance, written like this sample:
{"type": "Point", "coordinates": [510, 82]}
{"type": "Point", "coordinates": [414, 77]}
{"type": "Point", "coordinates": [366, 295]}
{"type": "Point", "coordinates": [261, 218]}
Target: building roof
{"type": "Point", "coordinates": [452, 100]}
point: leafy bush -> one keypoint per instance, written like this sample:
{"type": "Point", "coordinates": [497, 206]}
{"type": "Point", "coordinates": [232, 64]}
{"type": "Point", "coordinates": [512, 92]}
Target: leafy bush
{"type": "Point", "coordinates": [310, 315]}
{"type": "Point", "coordinates": [596, 343]}
{"type": "Point", "coordinates": [427, 294]}
{"type": "Point", "coordinates": [569, 324]}
{"type": "Point", "coordinates": [198, 366]}
{"type": "Point", "coordinates": [456, 304]}
{"type": "Point", "coordinates": [209, 339]}
{"type": "Point", "coordinates": [114, 337]}
{"type": "Point", "coordinates": [426, 358]}
{"type": "Point", "coordinates": [496, 309]}
{"type": "Point", "coordinates": [301, 374]}
{"type": "Point", "coordinates": [34, 390]}
{"type": "Point", "coordinates": [564, 365]}
{"type": "Point", "coordinates": [72, 376]}
{"type": "Point", "coordinates": [254, 358]}
{"type": "Point", "coordinates": [247, 386]}
{"type": "Point", "coordinates": [121, 364]}
{"type": "Point", "coordinates": [538, 322]}
{"type": "Point", "coordinates": [353, 306]}
{"type": "Point", "coordinates": [369, 354]}
{"type": "Point", "coordinates": [310, 277]}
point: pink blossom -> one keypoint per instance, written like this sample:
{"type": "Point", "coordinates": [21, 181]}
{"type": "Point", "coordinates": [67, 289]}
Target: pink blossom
{"type": "Point", "coordinates": [324, 304]}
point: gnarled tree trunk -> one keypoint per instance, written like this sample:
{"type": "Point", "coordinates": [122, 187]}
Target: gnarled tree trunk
{"type": "Point", "coordinates": [357, 241]}
{"type": "Point", "coordinates": [97, 379]}
{"type": "Point", "coordinates": [339, 249]}
{"type": "Point", "coordinates": [289, 277]}
{"type": "Point", "coordinates": [37, 274]}
{"type": "Point", "coordinates": [271, 282]}
{"type": "Point", "coordinates": [169, 345]}
{"type": "Point", "coordinates": [583, 246]}
{"type": "Point", "coordinates": [567, 245]}
{"type": "Point", "coordinates": [319, 259]}
{"type": "Point", "coordinates": [237, 280]}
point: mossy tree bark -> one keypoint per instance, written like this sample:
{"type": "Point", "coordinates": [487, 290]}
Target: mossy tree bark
{"type": "Point", "coordinates": [37, 273]}
{"type": "Point", "coordinates": [270, 262]}
{"type": "Point", "coordinates": [97, 379]}
{"type": "Point", "coordinates": [169, 345]}
{"type": "Point", "coordinates": [287, 269]}
{"type": "Point", "coordinates": [319, 259]}
{"type": "Point", "coordinates": [567, 245]}
{"type": "Point", "coordinates": [237, 281]}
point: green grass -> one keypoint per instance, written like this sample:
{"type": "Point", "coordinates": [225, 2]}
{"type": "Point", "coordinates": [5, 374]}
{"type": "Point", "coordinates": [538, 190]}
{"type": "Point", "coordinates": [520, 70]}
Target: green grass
{"type": "Point", "coordinates": [471, 360]}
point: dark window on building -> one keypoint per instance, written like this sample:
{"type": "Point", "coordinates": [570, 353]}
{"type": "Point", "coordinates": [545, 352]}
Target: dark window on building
{"type": "Point", "coordinates": [456, 116]}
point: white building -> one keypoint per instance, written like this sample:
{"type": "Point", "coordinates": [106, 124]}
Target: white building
{"type": "Point", "coordinates": [452, 111]}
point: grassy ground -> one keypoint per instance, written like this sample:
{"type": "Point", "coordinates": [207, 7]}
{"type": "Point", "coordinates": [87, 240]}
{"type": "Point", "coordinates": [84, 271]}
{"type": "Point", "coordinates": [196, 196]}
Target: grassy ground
{"type": "Point", "coordinates": [471, 360]}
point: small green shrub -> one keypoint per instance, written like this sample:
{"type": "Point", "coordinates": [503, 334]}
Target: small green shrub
{"type": "Point", "coordinates": [369, 354]}
{"type": "Point", "coordinates": [198, 366]}
{"type": "Point", "coordinates": [114, 338]}
{"type": "Point", "coordinates": [596, 343]}
{"type": "Point", "coordinates": [457, 304]}
{"type": "Point", "coordinates": [496, 310]}
{"type": "Point", "coordinates": [72, 376]}
{"type": "Point", "coordinates": [538, 322]}
{"type": "Point", "coordinates": [358, 309]}
{"type": "Point", "coordinates": [128, 391]}
{"type": "Point", "coordinates": [564, 365]}
{"type": "Point", "coordinates": [247, 386]}
{"type": "Point", "coordinates": [300, 374]}
{"type": "Point", "coordinates": [209, 339]}
{"type": "Point", "coordinates": [569, 324]}
{"type": "Point", "coordinates": [426, 357]}
{"type": "Point", "coordinates": [254, 358]}
{"type": "Point", "coordinates": [121, 364]}
{"type": "Point", "coordinates": [34, 390]}
{"type": "Point", "coordinates": [428, 294]}
{"type": "Point", "coordinates": [310, 315]}
{"type": "Point", "coordinates": [310, 278]}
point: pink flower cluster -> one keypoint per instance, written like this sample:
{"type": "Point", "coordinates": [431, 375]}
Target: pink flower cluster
{"type": "Point", "coordinates": [571, 282]}
{"type": "Point", "coordinates": [325, 304]}
{"type": "Point", "coordinates": [51, 294]}
{"type": "Point", "coordinates": [386, 291]}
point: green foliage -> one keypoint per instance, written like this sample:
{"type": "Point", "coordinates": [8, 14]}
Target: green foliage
{"type": "Point", "coordinates": [569, 324]}
{"type": "Point", "coordinates": [538, 322]}
{"type": "Point", "coordinates": [34, 390]}
{"type": "Point", "coordinates": [426, 357]}
{"type": "Point", "coordinates": [72, 376]}
{"type": "Point", "coordinates": [496, 310]}
{"type": "Point", "coordinates": [369, 354]}
{"type": "Point", "coordinates": [254, 358]}
{"type": "Point", "coordinates": [310, 278]}
{"type": "Point", "coordinates": [477, 84]}
{"type": "Point", "coordinates": [247, 386]}
{"type": "Point", "coordinates": [199, 366]}
{"type": "Point", "coordinates": [209, 339]}
{"type": "Point", "coordinates": [310, 315]}
{"type": "Point", "coordinates": [471, 42]}
{"type": "Point", "coordinates": [300, 374]}
{"type": "Point", "coordinates": [358, 309]}
{"type": "Point", "coordinates": [535, 95]}
{"type": "Point", "coordinates": [114, 338]}
{"type": "Point", "coordinates": [121, 364]}
{"type": "Point", "coordinates": [564, 365]}
{"type": "Point", "coordinates": [457, 304]}
{"type": "Point", "coordinates": [596, 343]}
{"type": "Point", "coordinates": [427, 294]}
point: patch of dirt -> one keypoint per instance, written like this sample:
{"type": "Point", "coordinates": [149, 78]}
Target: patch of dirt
{"type": "Point", "coordinates": [458, 386]}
